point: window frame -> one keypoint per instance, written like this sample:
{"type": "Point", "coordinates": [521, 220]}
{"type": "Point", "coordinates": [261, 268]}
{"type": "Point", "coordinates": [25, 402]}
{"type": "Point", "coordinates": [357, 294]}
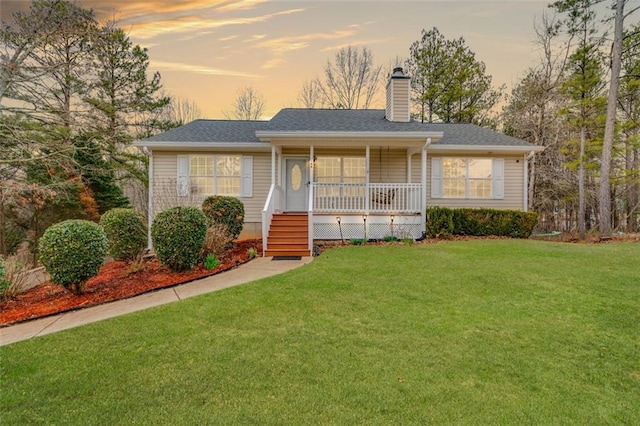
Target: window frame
{"type": "Point", "coordinates": [439, 178]}
{"type": "Point", "coordinates": [215, 176]}
{"type": "Point", "coordinates": [355, 191]}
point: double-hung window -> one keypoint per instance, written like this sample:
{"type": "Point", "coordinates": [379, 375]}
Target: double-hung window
{"type": "Point", "coordinates": [455, 177]}
{"type": "Point", "coordinates": [214, 175]}
{"type": "Point", "coordinates": [349, 172]}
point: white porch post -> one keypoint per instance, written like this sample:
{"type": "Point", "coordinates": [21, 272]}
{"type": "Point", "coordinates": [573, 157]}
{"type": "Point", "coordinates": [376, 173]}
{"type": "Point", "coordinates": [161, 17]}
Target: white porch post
{"type": "Point", "coordinates": [273, 165]}
{"type": "Point", "coordinates": [280, 169]}
{"type": "Point", "coordinates": [311, 166]}
{"type": "Point", "coordinates": [423, 181]}
{"type": "Point", "coordinates": [408, 166]}
{"type": "Point", "coordinates": [367, 157]}
{"type": "Point", "coordinates": [311, 204]}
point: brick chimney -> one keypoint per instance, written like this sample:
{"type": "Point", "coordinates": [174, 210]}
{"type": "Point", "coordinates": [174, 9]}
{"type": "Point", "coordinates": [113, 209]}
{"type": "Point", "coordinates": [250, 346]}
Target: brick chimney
{"type": "Point", "coordinates": [398, 97]}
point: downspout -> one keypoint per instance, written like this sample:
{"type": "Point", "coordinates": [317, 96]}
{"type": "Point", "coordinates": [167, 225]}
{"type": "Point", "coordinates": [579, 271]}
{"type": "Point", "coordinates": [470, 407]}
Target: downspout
{"type": "Point", "coordinates": [423, 210]}
{"type": "Point", "coordinates": [525, 166]}
{"type": "Point", "coordinates": [149, 155]}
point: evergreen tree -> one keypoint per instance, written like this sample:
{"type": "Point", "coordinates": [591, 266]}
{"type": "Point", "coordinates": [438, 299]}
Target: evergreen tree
{"type": "Point", "coordinates": [584, 86]}
{"type": "Point", "coordinates": [448, 83]}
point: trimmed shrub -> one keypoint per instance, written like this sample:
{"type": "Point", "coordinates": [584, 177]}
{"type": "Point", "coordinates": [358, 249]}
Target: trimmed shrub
{"type": "Point", "coordinates": [443, 222]}
{"type": "Point", "coordinates": [126, 233]}
{"type": "Point", "coordinates": [217, 240]}
{"type": "Point", "coordinates": [228, 211]}
{"type": "Point", "coordinates": [72, 252]}
{"type": "Point", "coordinates": [178, 235]}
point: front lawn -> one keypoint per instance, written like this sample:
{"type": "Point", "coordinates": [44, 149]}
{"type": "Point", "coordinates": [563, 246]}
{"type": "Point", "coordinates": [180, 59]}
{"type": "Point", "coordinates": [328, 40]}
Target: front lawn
{"type": "Point", "coordinates": [472, 332]}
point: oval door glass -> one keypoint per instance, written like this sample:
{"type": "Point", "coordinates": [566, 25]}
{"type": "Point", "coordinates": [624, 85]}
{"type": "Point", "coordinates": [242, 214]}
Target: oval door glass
{"type": "Point", "coordinates": [296, 177]}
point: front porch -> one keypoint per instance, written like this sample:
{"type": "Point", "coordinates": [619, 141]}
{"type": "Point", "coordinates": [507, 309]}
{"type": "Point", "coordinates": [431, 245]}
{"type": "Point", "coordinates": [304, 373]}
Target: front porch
{"type": "Point", "coordinates": [337, 206]}
{"type": "Point", "coordinates": [355, 188]}
{"type": "Point", "coordinates": [342, 212]}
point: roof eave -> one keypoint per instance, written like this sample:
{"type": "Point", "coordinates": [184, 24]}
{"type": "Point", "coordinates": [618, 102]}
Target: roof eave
{"type": "Point", "coordinates": [175, 145]}
{"type": "Point", "coordinates": [269, 135]}
{"type": "Point", "coordinates": [487, 148]}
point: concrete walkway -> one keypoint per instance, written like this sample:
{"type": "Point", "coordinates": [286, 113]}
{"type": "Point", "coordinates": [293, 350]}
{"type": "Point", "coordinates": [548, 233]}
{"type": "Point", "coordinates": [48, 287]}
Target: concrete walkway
{"type": "Point", "coordinates": [258, 268]}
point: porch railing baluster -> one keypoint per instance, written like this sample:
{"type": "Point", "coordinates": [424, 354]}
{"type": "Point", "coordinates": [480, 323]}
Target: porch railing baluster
{"type": "Point", "coordinates": [351, 198]}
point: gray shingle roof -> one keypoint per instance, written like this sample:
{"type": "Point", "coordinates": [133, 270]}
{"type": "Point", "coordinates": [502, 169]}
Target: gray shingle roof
{"type": "Point", "coordinates": [470, 134]}
{"type": "Point", "coordinates": [336, 120]}
{"type": "Point", "coordinates": [329, 120]}
{"type": "Point", "coordinates": [373, 120]}
{"type": "Point", "coordinates": [212, 131]}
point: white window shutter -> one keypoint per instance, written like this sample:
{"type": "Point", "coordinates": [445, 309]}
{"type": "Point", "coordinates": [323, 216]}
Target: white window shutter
{"type": "Point", "coordinates": [183, 175]}
{"type": "Point", "coordinates": [436, 178]}
{"type": "Point", "coordinates": [246, 170]}
{"type": "Point", "coordinates": [498, 178]}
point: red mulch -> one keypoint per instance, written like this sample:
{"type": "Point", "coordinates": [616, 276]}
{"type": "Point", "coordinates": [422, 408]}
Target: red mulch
{"type": "Point", "coordinates": [116, 280]}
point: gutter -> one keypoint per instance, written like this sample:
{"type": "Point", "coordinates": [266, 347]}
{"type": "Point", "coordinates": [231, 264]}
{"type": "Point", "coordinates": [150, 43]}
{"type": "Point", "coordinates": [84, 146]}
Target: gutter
{"type": "Point", "coordinates": [174, 145]}
{"type": "Point", "coordinates": [487, 148]}
{"type": "Point", "coordinates": [268, 135]}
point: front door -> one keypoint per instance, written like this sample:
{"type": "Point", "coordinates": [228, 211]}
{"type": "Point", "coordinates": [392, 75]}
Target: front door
{"type": "Point", "coordinates": [296, 185]}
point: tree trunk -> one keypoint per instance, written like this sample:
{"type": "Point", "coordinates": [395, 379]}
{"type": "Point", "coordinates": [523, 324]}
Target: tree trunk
{"type": "Point", "coordinates": [581, 185]}
{"type": "Point", "coordinates": [604, 197]}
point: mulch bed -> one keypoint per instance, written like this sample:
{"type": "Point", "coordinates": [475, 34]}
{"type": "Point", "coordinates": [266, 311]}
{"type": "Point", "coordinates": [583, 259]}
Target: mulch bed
{"type": "Point", "coordinates": [115, 280]}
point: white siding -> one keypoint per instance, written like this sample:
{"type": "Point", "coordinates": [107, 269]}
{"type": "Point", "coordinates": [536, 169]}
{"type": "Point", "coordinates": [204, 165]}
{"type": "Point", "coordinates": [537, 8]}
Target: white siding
{"type": "Point", "coordinates": [388, 165]}
{"type": "Point", "coordinates": [165, 174]}
{"type": "Point", "coordinates": [398, 105]}
{"type": "Point", "coordinates": [513, 186]}
{"type": "Point", "coordinates": [400, 99]}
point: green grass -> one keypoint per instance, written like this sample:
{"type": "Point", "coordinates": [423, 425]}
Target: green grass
{"type": "Point", "coordinates": [477, 332]}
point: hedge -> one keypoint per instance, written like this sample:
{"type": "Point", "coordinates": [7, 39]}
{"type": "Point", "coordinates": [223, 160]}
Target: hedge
{"type": "Point", "coordinates": [445, 222]}
{"type": "Point", "coordinates": [126, 232]}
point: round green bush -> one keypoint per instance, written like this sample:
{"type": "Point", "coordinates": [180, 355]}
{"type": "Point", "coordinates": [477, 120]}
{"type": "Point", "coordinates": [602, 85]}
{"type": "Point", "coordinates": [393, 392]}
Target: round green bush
{"type": "Point", "coordinates": [126, 233]}
{"type": "Point", "coordinates": [228, 211]}
{"type": "Point", "coordinates": [178, 235]}
{"type": "Point", "coordinates": [72, 252]}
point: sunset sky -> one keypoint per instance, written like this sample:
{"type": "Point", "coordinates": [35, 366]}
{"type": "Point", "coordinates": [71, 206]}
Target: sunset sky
{"type": "Point", "coordinates": [206, 50]}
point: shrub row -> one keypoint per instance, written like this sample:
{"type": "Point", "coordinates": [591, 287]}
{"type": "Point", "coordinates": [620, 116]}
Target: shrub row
{"type": "Point", "coordinates": [445, 222]}
{"type": "Point", "coordinates": [73, 251]}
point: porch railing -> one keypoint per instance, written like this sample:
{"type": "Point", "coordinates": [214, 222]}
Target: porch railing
{"type": "Point", "coordinates": [372, 198]}
{"type": "Point", "coordinates": [270, 206]}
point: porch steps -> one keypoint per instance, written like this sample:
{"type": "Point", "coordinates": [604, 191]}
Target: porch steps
{"type": "Point", "coordinates": [288, 235]}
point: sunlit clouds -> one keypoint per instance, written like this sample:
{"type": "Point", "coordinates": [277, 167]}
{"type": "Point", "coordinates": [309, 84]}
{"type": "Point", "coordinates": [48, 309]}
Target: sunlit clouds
{"type": "Point", "coordinates": [199, 69]}
{"type": "Point", "coordinates": [353, 43]}
{"type": "Point", "coordinates": [285, 44]}
{"type": "Point", "coordinates": [173, 25]}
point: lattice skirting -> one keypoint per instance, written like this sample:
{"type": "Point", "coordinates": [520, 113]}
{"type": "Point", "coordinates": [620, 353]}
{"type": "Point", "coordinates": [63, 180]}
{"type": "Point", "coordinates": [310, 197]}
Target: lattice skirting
{"type": "Point", "coordinates": [331, 231]}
